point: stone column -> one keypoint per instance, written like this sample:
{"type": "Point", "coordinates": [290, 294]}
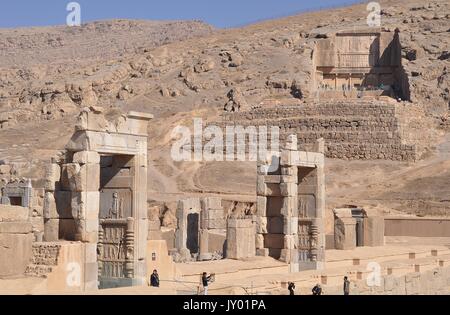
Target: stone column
{"type": "Point", "coordinates": [83, 176]}
{"type": "Point", "coordinates": [240, 238]}
{"type": "Point", "coordinates": [51, 217]}
{"type": "Point", "coordinates": [289, 183]}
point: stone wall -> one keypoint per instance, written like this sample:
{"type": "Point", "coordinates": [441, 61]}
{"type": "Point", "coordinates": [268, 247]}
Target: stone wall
{"type": "Point", "coordinates": [16, 239]}
{"type": "Point", "coordinates": [358, 129]}
{"type": "Point", "coordinates": [419, 227]}
{"type": "Point", "coordinates": [430, 282]}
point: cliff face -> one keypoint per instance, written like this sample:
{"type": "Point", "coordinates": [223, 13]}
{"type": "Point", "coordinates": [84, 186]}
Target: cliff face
{"type": "Point", "coordinates": [177, 70]}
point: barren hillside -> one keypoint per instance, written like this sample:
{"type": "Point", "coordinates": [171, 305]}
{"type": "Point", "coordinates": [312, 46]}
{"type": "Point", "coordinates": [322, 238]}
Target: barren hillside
{"type": "Point", "coordinates": [130, 65]}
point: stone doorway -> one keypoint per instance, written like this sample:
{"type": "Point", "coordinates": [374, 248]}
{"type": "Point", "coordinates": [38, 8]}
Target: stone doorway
{"type": "Point", "coordinates": [192, 242]}
{"type": "Point", "coordinates": [359, 215]}
{"type": "Point", "coordinates": [116, 221]}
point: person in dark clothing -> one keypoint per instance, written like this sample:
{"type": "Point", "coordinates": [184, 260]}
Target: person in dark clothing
{"type": "Point", "coordinates": [346, 286]}
{"type": "Point", "coordinates": [154, 279]}
{"type": "Point", "coordinates": [317, 290]}
{"type": "Point", "coordinates": [291, 288]}
{"type": "Point", "coordinates": [205, 281]}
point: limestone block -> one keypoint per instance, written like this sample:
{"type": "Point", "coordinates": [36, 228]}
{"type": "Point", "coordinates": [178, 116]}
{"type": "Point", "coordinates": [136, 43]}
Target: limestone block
{"type": "Point", "coordinates": [22, 227]}
{"type": "Point", "coordinates": [213, 214]}
{"type": "Point", "coordinates": [289, 256]}
{"type": "Point", "coordinates": [86, 157]}
{"type": "Point", "coordinates": [240, 239]}
{"type": "Point", "coordinates": [142, 234]}
{"type": "Point", "coordinates": [51, 230]}
{"type": "Point", "coordinates": [85, 205]}
{"type": "Point", "coordinates": [289, 171]}
{"type": "Point", "coordinates": [259, 241]}
{"type": "Point", "coordinates": [290, 242]}
{"type": "Point", "coordinates": [291, 143]}
{"type": "Point", "coordinates": [64, 181]}
{"type": "Point", "coordinates": [240, 223]}
{"type": "Point", "coordinates": [74, 176]}
{"type": "Point", "coordinates": [91, 274]}
{"type": "Point", "coordinates": [86, 237]}
{"type": "Point", "coordinates": [15, 253]}
{"type": "Point", "coordinates": [13, 213]}
{"type": "Point", "coordinates": [216, 223]}
{"type": "Point", "coordinates": [49, 209]}
{"type": "Point", "coordinates": [261, 187]}
{"type": "Point", "coordinates": [261, 225]}
{"type": "Point", "coordinates": [374, 231]}
{"type": "Point", "coordinates": [288, 179]}
{"type": "Point", "coordinates": [264, 252]}
{"type": "Point", "coordinates": [345, 233]}
{"type": "Point", "coordinates": [290, 225]}
{"type": "Point", "coordinates": [288, 158]}
{"type": "Point", "coordinates": [90, 251]}
{"type": "Point", "coordinates": [203, 244]}
{"type": "Point", "coordinates": [52, 177]}
{"type": "Point", "coordinates": [288, 189]}
{"type": "Point", "coordinates": [261, 203]}
{"type": "Point", "coordinates": [211, 203]}
{"type": "Point", "coordinates": [273, 190]}
{"type": "Point", "coordinates": [154, 225]}
{"type": "Point", "coordinates": [272, 179]}
{"type": "Point", "coordinates": [92, 225]}
{"type": "Point", "coordinates": [290, 206]}
{"type": "Point", "coordinates": [83, 177]}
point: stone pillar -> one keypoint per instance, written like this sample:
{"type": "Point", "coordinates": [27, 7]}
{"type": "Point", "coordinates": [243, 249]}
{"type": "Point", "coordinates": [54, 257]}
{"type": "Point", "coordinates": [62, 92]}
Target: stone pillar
{"type": "Point", "coordinates": [240, 238]}
{"type": "Point", "coordinates": [296, 226]}
{"type": "Point", "coordinates": [204, 253]}
{"type": "Point", "coordinates": [129, 241]}
{"type": "Point", "coordinates": [289, 183]}
{"type": "Point", "coordinates": [345, 233]}
{"type": "Point", "coordinates": [83, 177]}
{"type": "Point", "coordinates": [51, 218]}
{"type": "Point", "coordinates": [140, 208]}
{"type": "Point", "coordinates": [184, 208]}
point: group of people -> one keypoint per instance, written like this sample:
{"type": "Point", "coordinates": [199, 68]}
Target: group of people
{"type": "Point", "coordinates": [154, 280]}
{"type": "Point", "coordinates": [317, 290]}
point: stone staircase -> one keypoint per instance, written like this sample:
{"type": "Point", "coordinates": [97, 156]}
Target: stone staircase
{"type": "Point", "coordinates": [43, 260]}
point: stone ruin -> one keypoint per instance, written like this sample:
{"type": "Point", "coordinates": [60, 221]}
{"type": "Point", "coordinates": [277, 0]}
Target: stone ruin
{"type": "Point", "coordinates": [16, 192]}
{"type": "Point", "coordinates": [291, 207]}
{"type": "Point", "coordinates": [359, 63]}
{"type": "Point", "coordinates": [288, 223]}
{"type": "Point", "coordinates": [96, 193]}
{"type": "Point", "coordinates": [354, 227]}
{"type": "Point", "coordinates": [201, 230]}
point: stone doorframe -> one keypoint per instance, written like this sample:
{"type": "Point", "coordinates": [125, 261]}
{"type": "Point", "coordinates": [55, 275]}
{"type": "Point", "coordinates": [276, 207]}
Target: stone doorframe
{"type": "Point", "coordinates": [301, 239]}
{"type": "Point", "coordinates": [95, 135]}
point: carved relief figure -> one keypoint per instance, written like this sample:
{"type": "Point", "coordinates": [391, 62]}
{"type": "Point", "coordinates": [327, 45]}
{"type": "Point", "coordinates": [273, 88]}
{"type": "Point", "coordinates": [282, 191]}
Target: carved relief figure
{"type": "Point", "coordinates": [116, 210]}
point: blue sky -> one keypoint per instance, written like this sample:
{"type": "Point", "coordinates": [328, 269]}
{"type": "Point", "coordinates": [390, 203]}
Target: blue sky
{"type": "Point", "coordinates": [229, 13]}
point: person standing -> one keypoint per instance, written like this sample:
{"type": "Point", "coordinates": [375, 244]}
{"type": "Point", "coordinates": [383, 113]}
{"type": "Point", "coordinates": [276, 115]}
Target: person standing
{"type": "Point", "coordinates": [317, 290]}
{"type": "Point", "coordinates": [154, 279]}
{"type": "Point", "coordinates": [291, 288]}
{"type": "Point", "coordinates": [205, 281]}
{"type": "Point", "coordinates": [346, 286]}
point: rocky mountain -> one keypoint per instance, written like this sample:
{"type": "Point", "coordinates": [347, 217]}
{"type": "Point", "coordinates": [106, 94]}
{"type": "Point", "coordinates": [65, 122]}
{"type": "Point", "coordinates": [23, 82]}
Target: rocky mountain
{"type": "Point", "coordinates": [178, 70]}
